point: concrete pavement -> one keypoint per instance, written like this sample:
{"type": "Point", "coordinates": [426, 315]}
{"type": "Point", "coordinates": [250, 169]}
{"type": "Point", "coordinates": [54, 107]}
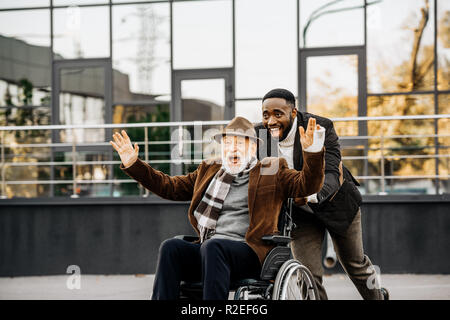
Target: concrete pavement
{"type": "Point", "coordinates": [138, 287]}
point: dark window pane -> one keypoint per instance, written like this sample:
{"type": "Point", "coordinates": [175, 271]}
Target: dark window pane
{"type": "Point", "coordinates": [89, 174]}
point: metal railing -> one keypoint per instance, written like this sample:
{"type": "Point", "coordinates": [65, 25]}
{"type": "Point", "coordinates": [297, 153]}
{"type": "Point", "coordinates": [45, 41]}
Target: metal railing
{"type": "Point", "coordinates": [179, 141]}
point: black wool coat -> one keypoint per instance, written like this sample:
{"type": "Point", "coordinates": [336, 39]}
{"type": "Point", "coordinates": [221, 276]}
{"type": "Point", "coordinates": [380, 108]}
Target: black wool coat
{"type": "Point", "coordinates": [337, 205]}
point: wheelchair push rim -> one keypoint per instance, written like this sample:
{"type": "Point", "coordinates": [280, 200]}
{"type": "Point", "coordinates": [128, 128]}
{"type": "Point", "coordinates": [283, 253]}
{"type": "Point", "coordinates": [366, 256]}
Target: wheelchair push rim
{"type": "Point", "coordinates": [294, 282]}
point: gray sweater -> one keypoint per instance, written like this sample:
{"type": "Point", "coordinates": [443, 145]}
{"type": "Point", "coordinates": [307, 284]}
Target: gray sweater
{"type": "Point", "coordinates": [233, 220]}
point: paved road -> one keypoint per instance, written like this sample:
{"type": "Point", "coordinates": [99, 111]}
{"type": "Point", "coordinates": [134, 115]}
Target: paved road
{"type": "Point", "coordinates": [403, 287]}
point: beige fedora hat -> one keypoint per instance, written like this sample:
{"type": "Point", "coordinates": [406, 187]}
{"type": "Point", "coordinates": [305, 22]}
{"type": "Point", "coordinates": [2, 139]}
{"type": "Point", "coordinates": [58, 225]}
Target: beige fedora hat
{"type": "Point", "coordinates": [238, 126]}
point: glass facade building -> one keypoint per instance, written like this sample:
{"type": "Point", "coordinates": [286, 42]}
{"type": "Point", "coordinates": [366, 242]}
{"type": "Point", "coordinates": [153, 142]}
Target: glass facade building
{"type": "Point", "coordinates": [92, 62]}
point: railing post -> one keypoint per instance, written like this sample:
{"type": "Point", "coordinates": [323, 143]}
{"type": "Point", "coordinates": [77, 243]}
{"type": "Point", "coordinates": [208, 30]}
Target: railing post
{"type": "Point", "coordinates": [146, 156]}
{"type": "Point", "coordinates": [180, 141]}
{"type": "Point", "coordinates": [3, 196]}
{"type": "Point", "coordinates": [383, 180]}
{"type": "Point", "coordinates": [74, 167]}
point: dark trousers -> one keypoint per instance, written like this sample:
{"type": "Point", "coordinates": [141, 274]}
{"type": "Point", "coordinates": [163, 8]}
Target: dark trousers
{"type": "Point", "coordinates": [307, 248]}
{"type": "Point", "coordinates": [216, 262]}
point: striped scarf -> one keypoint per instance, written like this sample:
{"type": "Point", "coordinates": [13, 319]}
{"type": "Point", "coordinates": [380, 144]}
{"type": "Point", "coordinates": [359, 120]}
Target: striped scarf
{"type": "Point", "coordinates": [209, 208]}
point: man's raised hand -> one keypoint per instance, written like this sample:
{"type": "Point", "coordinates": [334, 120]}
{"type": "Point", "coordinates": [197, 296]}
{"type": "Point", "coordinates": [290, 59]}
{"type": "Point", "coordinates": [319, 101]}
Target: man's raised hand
{"type": "Point", "coordinates": [128, 154]}
{"type": "Point", "coordinates": [307, 138]}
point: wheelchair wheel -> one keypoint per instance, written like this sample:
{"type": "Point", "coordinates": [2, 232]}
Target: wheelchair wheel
{"type": "Point", "coordinates": [294, 282]}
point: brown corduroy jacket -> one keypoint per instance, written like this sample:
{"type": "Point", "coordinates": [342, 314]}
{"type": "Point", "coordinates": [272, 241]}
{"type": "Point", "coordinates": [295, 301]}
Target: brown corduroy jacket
{"type": "Point", "coordinates": [271, 182]}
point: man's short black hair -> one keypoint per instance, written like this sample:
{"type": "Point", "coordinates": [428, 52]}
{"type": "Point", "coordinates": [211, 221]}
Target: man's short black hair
{"type": "Point", "coordinates": [283, 94]}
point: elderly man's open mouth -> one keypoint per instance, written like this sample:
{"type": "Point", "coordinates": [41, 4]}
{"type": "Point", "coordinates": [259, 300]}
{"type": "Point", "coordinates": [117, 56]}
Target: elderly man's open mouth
{"type": "Point", "coordinates": [234, 159]}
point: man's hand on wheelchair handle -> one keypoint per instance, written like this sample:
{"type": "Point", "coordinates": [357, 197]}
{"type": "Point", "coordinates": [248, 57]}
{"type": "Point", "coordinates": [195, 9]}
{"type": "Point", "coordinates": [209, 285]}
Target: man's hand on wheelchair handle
{"type": "Point", "coordinates": [128, 154]}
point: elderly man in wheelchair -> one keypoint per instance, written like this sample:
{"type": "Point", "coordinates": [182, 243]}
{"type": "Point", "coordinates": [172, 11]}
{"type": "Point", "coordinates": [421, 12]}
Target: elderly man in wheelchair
{"type": "Point", "coordinates": [235, 207]}
{"type": "Point", "coordinates": [281, 277]}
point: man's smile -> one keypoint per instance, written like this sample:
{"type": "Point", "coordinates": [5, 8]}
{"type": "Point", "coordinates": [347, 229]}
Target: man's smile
{"type": "Point", "coordinates": [275, 131]}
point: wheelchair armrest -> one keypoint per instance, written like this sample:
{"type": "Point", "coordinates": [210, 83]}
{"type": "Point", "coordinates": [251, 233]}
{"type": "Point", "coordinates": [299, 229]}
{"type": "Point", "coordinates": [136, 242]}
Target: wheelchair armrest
{"type": "Point", "coordinates": [276, 239]}
{"type": "Point", "coordinates": [186, 237]}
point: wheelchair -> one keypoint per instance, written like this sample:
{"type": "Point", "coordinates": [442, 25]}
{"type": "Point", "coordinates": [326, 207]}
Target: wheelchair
{"type": "Point", "coordinates": [281, 277]}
